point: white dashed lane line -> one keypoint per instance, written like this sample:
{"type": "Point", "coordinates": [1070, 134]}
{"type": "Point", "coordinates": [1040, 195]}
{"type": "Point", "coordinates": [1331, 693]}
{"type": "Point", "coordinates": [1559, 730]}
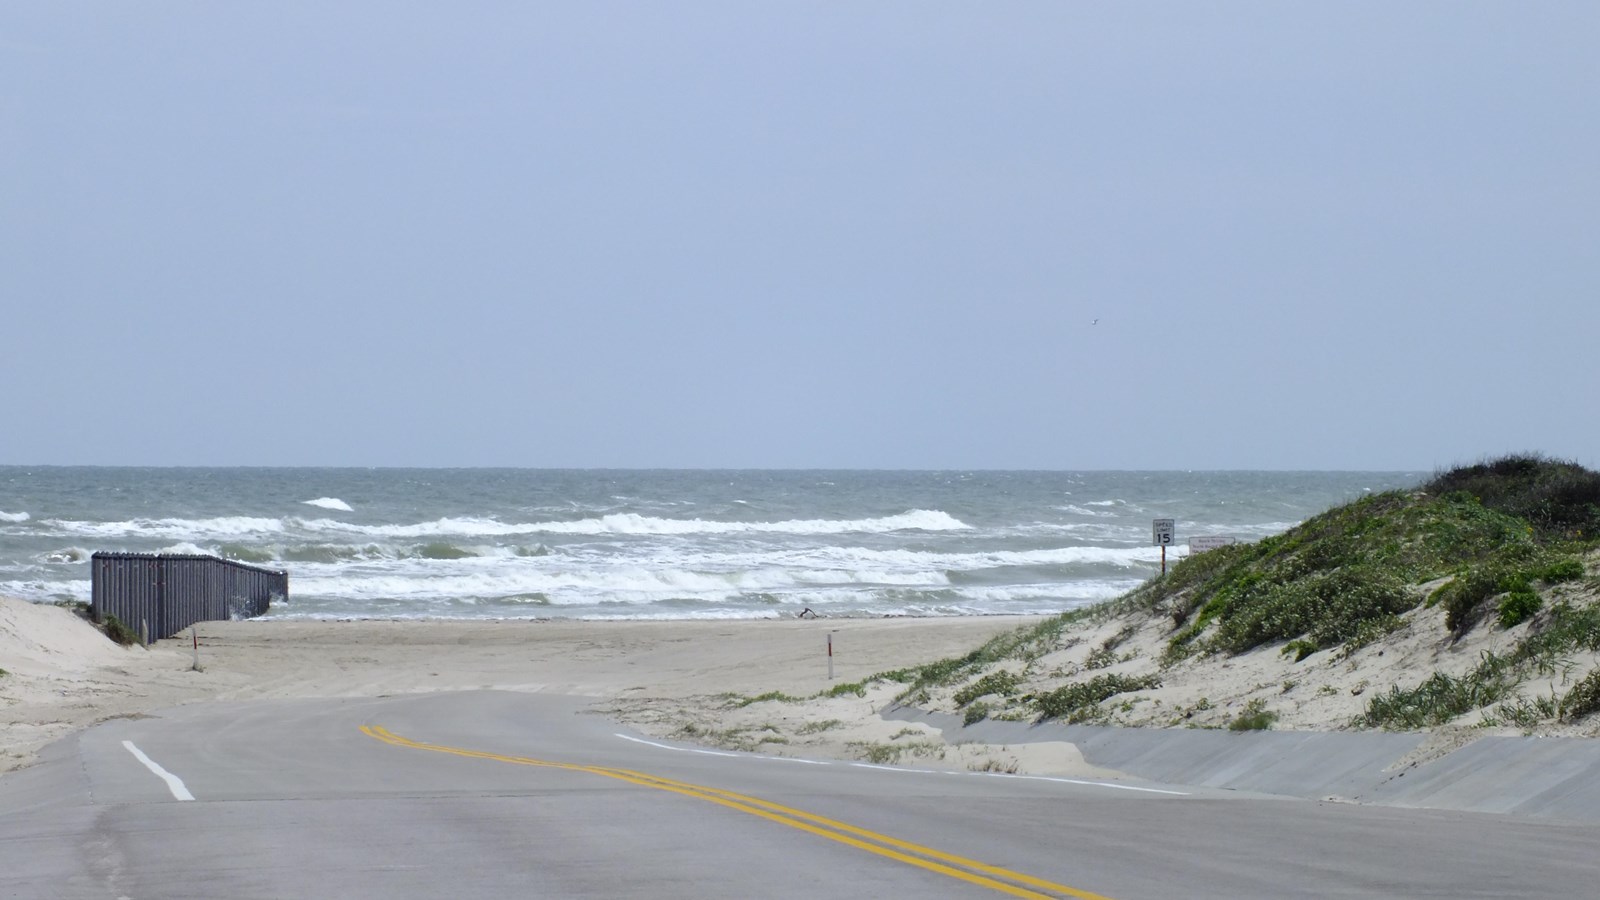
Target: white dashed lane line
{"type": "Point", "coordinates": [174, 783]}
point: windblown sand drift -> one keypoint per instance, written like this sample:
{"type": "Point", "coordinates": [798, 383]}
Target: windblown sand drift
{"type": "Point", "coordinates": [63, 675]}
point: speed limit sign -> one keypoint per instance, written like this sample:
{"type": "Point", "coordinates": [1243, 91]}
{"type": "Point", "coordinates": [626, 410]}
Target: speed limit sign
{"type": "Point", "coordinates": [1163, 531]}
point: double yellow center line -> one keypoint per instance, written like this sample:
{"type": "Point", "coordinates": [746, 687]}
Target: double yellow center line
{"type": "Point", "coordinates": [1006, 881]}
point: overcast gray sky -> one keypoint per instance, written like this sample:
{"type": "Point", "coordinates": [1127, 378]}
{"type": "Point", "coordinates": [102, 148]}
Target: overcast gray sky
{"type": "Point", "coordinates": [1314, 235]}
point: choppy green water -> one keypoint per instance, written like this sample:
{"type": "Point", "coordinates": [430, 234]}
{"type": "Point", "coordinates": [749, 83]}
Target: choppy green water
{"type": "Point", "coordinates": [489, 543]}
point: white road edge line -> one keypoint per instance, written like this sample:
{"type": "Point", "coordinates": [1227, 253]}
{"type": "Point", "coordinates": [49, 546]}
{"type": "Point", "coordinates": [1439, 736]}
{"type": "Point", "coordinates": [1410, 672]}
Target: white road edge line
{"type": "Point", "coordinates": [1105, 784]}
{"type": "Point", "coordinates": [809, 762]}
{"type": "Point", "coordinates": [174, 783]}
{"type": "Point", "coordinates": [896, 769]}
{"type": "Point", "coordinates": [861, 765]}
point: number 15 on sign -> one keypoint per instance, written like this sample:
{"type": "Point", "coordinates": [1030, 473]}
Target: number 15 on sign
{"type": "Point", "coordinates": [1162, 533]}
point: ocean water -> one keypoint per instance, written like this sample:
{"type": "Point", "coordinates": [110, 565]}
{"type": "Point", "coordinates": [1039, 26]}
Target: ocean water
{"type": "Point", "coordinates": [529, 543]}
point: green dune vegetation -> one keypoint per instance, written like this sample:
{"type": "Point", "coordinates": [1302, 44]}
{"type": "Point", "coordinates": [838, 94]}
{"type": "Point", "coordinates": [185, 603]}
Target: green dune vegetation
{"type": "Point", "coordinates": [1469, 600]}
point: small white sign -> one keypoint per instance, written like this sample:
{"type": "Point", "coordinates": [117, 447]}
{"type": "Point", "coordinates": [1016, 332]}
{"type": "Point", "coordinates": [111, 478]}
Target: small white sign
{"type": "Point", "coordinates": [1163, 531]}
{"type": "Point", "coordinates": [1203, 542]}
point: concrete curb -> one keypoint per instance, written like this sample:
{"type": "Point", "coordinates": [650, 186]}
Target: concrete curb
{"type": "Point", "coordinates": [1528, 776]}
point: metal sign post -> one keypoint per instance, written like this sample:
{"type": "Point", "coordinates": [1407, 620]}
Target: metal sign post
{"type": "Point", "coordinates": [1162, 533]}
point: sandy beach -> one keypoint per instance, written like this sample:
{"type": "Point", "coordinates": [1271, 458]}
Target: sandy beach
{"type": "Point", "coordinates": [666, 678]}
{"type": "Point", "coordinates": [754, 685]}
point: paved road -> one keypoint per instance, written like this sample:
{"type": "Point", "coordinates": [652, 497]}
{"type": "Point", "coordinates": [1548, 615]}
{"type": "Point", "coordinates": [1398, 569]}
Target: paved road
{"type": "Point", "coordinates": [490, 794]}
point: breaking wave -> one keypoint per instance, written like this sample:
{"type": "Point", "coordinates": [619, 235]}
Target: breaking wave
{"type": "Point", "coordinates": [475, 544]}
{"type": "Point", "coordinates": [633, 523]}
{"type": "Point", "coordinates": [329, 503]}
{"type": "Point", "coordinates": [618, 524]}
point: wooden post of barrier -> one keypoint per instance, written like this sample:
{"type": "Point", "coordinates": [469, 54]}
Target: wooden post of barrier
{"type": "Point", "coordinates": [194, 634]}
{"type": "Point", "coordinates": [830, 656]}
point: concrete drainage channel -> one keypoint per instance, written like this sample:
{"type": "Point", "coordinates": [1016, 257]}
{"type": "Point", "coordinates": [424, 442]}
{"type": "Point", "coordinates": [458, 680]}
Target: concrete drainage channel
{"type": "Point", "coordinates": [1556, 778]}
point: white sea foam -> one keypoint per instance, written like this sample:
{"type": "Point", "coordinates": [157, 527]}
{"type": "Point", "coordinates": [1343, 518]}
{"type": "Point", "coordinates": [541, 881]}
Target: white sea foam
{"type": "Point", "coordinates": [1057, 556]}
{"type": "Point", "coordinates": [185, 549]}
{"type": "Point", "coordinates": [1080, 511]}
{"type": "Point", "coordinates": [633, 523]}
{"type": "Point", "coordinates": [591, 576]}
{"type": "Point", "coordinates": [46, 591]}
{"type": "Point", "coordinates": [1093, 531]}
{"type": "Point", "coordinates": [223, 527]}
{"type": "Point", "coordinates": [329, 503]}
{"type": "Point", "coordinates": [647, 545]}
{"type": "Point", "coordinates": [616, 524]}
{"type": "Point", "coordinates": [1259, 530]}
{"type": "Point", "coordinates": [754, 569]}
{"type": "Point", "coordinates": [901, 559]}
{"type": "Point", "coordinates": [1076, 590]}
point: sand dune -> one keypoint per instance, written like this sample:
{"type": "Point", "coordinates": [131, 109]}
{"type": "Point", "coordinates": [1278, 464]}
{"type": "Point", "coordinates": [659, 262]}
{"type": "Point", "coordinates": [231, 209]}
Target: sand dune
{"type": "Point", "coordinates": [665, 677]}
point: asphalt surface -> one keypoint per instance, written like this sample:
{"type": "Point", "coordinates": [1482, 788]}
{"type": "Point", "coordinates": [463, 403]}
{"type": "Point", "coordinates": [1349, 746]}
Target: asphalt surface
{"type": "Point", "coordinates": [489, 794]}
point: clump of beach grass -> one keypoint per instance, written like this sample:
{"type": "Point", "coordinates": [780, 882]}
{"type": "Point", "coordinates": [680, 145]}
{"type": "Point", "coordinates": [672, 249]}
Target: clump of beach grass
{"type": "Point", "coordinates": [891, 753]}
{"type": "Point", "coordinates": [1554, 637]}
{"type": "Point", "coordinates": [1564, 629]}
{"type": "Point", "coordinates": [1525, 712]}
{"type": "Point", "coordinates": [1079, 701]}
{"type": "Point", "coordinates": [1442, 697]}
{"type": "Point", "coordinates": [999, 767]}
{"type": "Point", "coordinates": [1025, 644]}
{"type": "Point", "coordinates": [1255, 717]}
{"type": "Point", "coordinates": [819, 727]}
{"type": "Point", "coordinates": [1001, 681]}
{"type": "Point", "coordinates": [1497, 533]}
{"type": "Point", "coordinates": [731, 738]}
{"type": "Point", "coordinates": [1560, 499]}
{"type": "Point", "coordinates": [740, 701]}
{"type": "Point", "coordinates": [1583, 699]}
{"type": "Point", "coordinates": [118, 632]}
{"type": "Point", "coordinates": [849, 688]}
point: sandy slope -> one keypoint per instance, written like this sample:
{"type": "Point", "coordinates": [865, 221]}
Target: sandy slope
{"type": "Point", "coordinates": [696, 680]}
{"type": "Point", "coordinates": [1323, 692]}
{"type": "Point", "coordinates": [63, 675]}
